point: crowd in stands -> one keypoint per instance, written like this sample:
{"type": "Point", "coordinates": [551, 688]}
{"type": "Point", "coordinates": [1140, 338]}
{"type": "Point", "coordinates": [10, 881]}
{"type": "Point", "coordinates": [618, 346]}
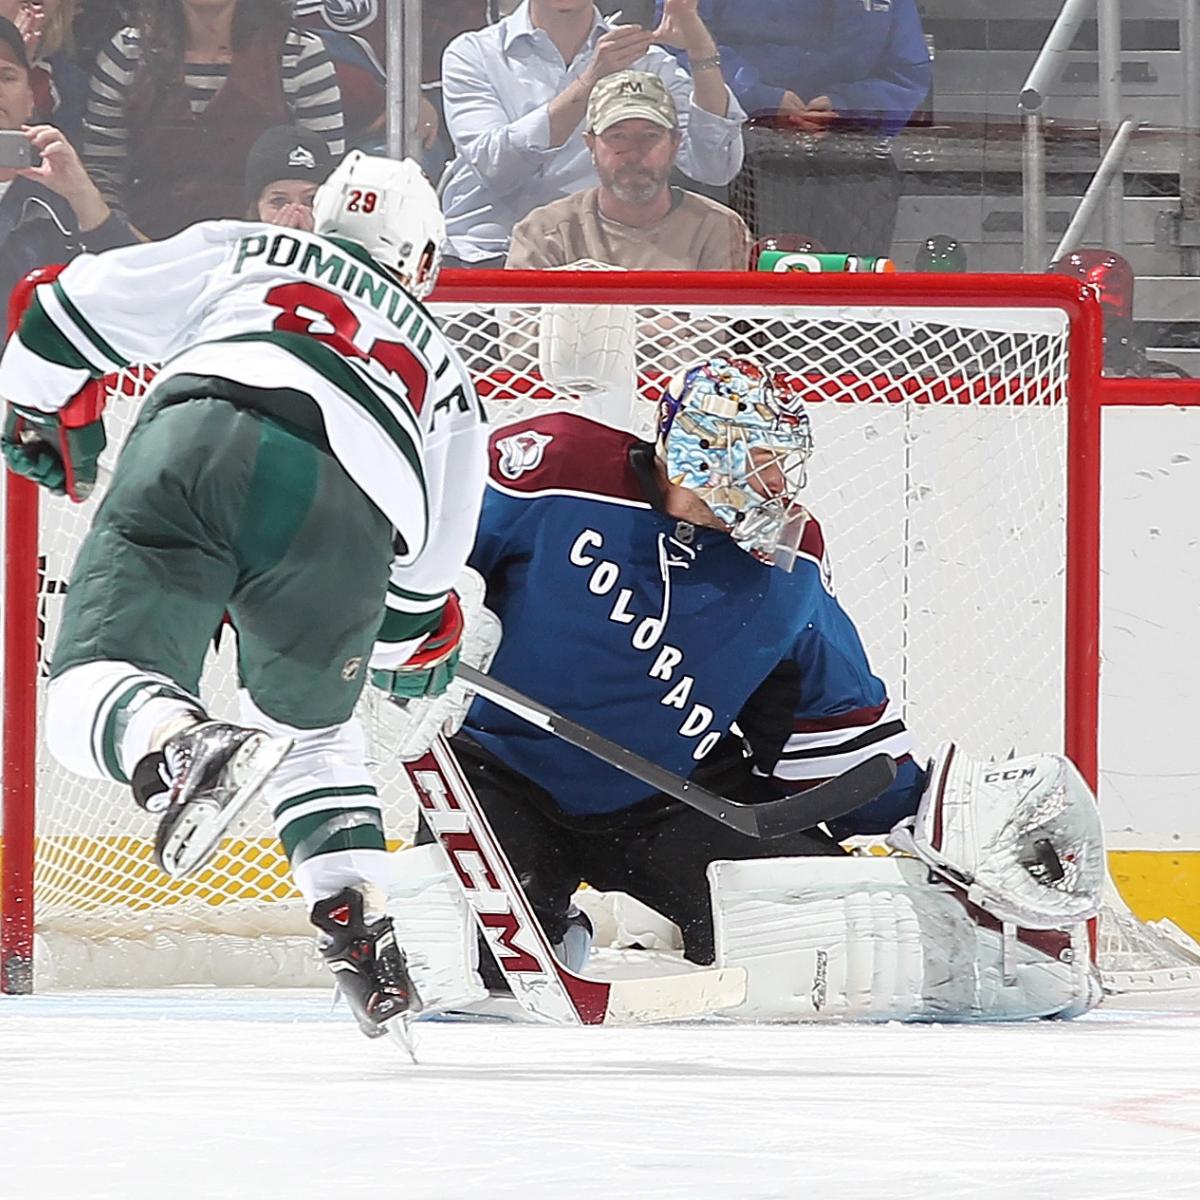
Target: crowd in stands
{"type": "Point", "coordinates": [557, 130]}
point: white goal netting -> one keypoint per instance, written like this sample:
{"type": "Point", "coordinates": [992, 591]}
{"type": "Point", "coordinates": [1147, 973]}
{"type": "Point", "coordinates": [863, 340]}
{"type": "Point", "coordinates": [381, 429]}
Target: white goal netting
{"type": "Point", "coordinates": [940, 477]}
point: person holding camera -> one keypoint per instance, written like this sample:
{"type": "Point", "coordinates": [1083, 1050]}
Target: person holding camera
{"type": "Point", "coordinates": [50, 210]}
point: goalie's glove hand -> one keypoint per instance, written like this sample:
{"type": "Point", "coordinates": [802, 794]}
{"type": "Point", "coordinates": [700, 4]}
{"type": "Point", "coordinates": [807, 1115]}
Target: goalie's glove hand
{"type": "Point", "coordinates": [60, 457]}
{"type": "Point", "coordinates": [430, 669]}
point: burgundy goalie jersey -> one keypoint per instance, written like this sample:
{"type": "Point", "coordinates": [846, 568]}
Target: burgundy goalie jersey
{"type": "Point", "coordinates": [662, 635]}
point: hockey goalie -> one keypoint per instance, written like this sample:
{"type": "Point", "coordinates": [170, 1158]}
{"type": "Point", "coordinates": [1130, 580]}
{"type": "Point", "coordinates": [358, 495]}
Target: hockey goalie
{"type": "Point", "coordinates": [676, 598]}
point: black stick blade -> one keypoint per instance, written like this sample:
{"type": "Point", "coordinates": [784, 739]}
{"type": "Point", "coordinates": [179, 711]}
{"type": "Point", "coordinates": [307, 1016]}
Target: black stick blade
{"type": "Point", "coordinates": [832, 799]}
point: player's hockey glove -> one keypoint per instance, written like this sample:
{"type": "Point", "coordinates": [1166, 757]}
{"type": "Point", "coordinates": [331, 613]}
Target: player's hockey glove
{"type": "Point", "coordinates": [60, 451]}
{"type": "Point", "coordinates": [430, 669]}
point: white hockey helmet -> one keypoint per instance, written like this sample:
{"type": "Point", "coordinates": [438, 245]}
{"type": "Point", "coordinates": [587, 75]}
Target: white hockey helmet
{"type": "Point", "coordinates": [391, 210]}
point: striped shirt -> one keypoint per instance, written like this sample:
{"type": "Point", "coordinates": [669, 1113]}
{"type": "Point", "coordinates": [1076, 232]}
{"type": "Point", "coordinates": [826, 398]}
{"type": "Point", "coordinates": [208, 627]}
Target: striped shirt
{"type": "Point", "coordinates": [309, 87]}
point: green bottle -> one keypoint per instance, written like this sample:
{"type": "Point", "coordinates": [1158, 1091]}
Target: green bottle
{"type": "Point", "coordinates": [788, 260]}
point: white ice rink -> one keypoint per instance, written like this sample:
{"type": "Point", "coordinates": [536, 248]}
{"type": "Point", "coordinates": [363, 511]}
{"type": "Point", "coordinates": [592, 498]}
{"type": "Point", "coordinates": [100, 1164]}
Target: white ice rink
{"type": "Point", "coordinates": [182, 1095]}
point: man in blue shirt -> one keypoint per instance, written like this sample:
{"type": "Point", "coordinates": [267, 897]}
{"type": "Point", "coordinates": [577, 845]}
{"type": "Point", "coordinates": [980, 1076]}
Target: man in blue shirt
{"type": "Point", "coordinates": [827, 84]}
{"type": "Point", "coordinates": [865, 60]}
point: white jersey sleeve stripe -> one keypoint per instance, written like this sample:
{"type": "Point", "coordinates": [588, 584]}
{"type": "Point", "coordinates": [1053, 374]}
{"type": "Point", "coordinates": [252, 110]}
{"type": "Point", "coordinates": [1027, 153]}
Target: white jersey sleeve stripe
{"type": "Point", "coordinates": [63, 318]}
{"type": "Point", "coordinates": [835, 762]}
{"type": "Point", "coordinates": [405, 604]}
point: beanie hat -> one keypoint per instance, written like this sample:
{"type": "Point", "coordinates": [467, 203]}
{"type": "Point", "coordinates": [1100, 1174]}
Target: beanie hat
{"type": "Point", "coordinates": [286, 152]}
{"type": "Point", "coordinates": [11, 36]}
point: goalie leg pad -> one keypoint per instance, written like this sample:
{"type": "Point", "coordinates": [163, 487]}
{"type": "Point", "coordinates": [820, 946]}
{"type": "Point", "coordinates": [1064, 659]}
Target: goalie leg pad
{"type": "Point", "coordinates": [1023, 836]}
{"type": "Point", "coordinates": [858, 939]}
{"type": "Point", "coordinates": [435, 927]}
{"type": "Point", "coordinates": [870, 939]}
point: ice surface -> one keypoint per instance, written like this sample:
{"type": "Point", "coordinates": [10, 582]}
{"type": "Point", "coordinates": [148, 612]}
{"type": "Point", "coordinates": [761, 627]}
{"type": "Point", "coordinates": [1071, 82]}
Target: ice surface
{"type": "Point", "coordinates": [214, 1094]}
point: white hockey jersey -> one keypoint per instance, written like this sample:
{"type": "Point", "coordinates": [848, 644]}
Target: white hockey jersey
{"type": "Point", "coordinates": [272, 308]}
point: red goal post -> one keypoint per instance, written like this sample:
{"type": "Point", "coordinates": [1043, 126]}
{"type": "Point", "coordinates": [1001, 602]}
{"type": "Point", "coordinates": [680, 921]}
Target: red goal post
{"type": "Point", "coordinates": [956, 421]}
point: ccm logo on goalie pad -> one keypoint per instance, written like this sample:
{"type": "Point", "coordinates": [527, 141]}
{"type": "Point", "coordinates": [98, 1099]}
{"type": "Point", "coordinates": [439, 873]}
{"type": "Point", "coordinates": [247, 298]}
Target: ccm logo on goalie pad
{"type": "Point", "coordinates": [479, 881]}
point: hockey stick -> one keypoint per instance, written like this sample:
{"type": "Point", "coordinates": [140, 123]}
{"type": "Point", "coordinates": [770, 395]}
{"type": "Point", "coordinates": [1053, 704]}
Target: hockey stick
{"type": "Point", "coordinates": [539, 982]}
{"type": "Point", "coordinates": [771, 819]}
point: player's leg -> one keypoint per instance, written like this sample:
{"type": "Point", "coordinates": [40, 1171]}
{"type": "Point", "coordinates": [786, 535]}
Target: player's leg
{"type": "Point", "coordinates": [307, 607]}
{"type": "Point", "coordinates": [312, 581]}
{"type": "Point", "coordinates": [663, 862]}
{"type": "Point", "coordinates": [146, 594]}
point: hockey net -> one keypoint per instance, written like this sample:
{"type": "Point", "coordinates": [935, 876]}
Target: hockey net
{"type": "Point", "coordinates": [951, 420]}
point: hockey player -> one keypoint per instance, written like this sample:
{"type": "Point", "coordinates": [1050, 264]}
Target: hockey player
{"type": "Point", "coordinates": [676, 598]}
{"type": "Point", "coordinates": [309, 461]}
{"type": "Point", "coordinates": [648, 567]}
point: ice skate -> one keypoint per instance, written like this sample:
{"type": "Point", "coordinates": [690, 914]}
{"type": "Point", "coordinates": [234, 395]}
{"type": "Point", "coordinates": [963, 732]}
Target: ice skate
{"type": "Point", "coordinates": [215, 770]}
{"type": "Point", "coordinates": [369, 966]}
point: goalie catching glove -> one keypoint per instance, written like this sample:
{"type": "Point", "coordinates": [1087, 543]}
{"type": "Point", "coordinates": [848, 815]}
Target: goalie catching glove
{"type": "Point", "coordinates": [1023, 836]}
{"type": "Point", "coordinates": [430, 668]}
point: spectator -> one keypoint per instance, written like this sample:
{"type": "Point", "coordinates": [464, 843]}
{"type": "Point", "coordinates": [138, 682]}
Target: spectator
{"type": "Point", "coordinates": [177, 101]}
{"type": "Point", "coordinates": [814, 60]}
{"type": "Point", "coordinates": [356, 40]}
{"type": "Point", "coordinates": [443, 22]}
{"type": "Point", "coordinates": [97, 21]}
{"type": "Point", "coordinates": [283, 171]}
{"type": "Point", "coordinates": [515, 95]}
{"type": "Point", "coordinates": [633, 218]}
{"type": "Point", "coordinates": [852, 68]}
{"type": "Point", "coordinates": [59, 83]}
{"type": "Point", "coordinates": [49, 212]}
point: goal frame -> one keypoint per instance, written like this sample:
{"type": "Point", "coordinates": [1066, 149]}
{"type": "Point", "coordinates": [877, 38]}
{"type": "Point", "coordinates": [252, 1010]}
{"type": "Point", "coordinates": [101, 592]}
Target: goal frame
{"type": "Point", "coordinates": [645, 289]}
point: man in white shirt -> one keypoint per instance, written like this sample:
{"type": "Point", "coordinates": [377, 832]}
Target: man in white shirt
{"type": "Point", "coordinates": [516, 94]}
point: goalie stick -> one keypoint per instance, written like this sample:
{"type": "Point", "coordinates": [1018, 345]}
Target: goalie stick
{"type": "Point", "coordinates": [771, 819]}
{"type": "Point", "coordinates": [539, 982]}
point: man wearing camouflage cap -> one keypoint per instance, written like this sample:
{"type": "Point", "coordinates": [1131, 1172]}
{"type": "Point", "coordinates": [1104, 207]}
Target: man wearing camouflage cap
{"type": "Point", "coordinates": [634, 218]}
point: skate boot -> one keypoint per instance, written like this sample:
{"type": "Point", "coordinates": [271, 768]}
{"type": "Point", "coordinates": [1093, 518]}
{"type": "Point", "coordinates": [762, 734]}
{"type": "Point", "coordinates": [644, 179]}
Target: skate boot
{"type": "Point", "coordinates": [576, 944]}
{"type": "Point", "coordinates": [214, 770]}
{"type": "Point", "coordinates": [369, 967]}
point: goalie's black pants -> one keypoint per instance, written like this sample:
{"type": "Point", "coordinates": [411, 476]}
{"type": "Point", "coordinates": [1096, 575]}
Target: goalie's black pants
{"type": "Point", "coordinates": [658, 851]}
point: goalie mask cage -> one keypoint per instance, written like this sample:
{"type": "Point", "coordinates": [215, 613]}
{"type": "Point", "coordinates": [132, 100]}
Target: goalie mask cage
{"type": "Point", "coordinates": [956, 475]}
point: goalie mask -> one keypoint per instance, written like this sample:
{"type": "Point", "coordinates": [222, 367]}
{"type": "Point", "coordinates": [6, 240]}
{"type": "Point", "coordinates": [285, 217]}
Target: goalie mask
{"type": "Point", "coordinates": [390, 209]}
{"type": "Point", "coordinates": [740, 440]}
